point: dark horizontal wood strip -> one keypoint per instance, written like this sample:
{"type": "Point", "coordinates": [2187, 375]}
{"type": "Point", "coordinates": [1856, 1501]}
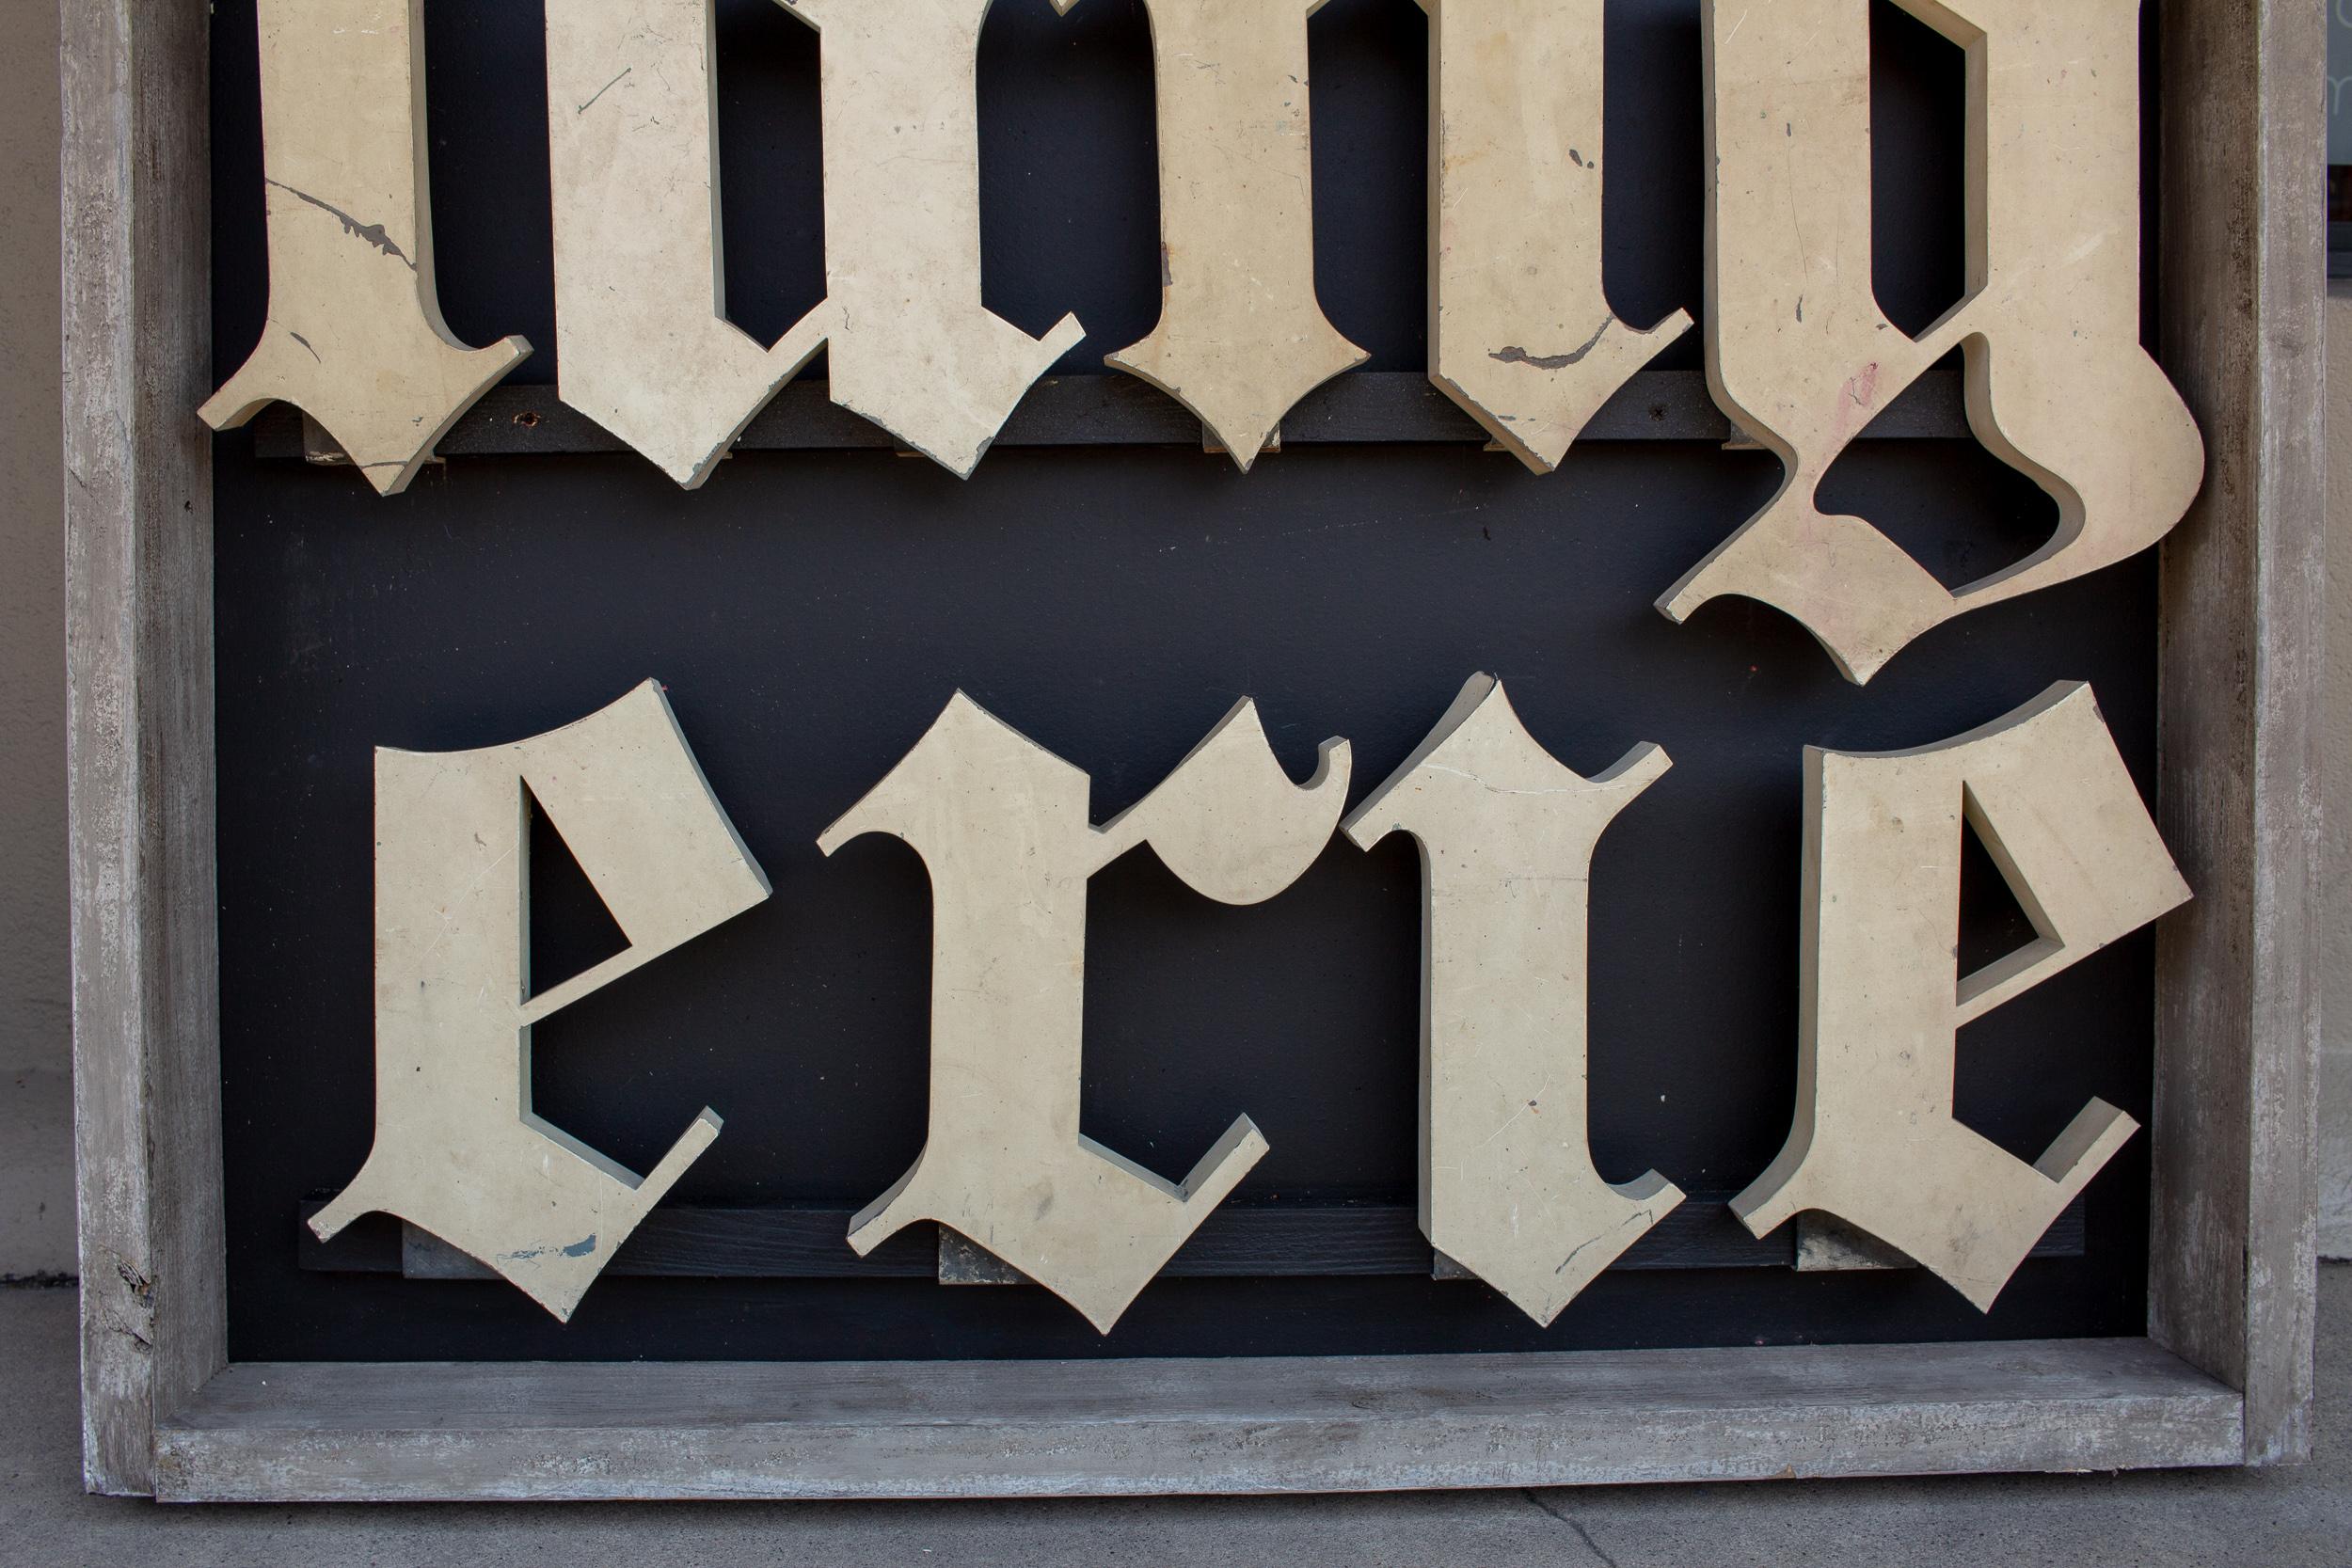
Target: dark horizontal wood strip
{"type": "Point", "coordinates": [1238, 1241]}
{"type": "Point", "coordinates": [1367, 407]}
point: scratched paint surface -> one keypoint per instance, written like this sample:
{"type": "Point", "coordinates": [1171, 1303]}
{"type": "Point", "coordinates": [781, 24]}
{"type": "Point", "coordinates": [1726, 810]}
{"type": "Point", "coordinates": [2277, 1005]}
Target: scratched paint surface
{"type": "Point", "coordinates": [354, 334]}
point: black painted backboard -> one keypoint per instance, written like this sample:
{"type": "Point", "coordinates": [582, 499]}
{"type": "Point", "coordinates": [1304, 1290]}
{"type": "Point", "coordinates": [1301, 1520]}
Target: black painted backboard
{"type": "Point", "coordinates": [811, 612]}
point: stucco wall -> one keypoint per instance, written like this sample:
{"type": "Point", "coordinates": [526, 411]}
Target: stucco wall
{"type": "Point", "coordinates": [36, 1099]}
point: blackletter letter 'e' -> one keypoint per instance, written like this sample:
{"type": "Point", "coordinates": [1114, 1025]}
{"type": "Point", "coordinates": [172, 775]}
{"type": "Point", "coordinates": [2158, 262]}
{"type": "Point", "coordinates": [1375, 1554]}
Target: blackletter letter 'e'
{"type": "Point", "coordinates": [1875, 1142]}
{"type": "Point", "coordinates": [458, 1150]}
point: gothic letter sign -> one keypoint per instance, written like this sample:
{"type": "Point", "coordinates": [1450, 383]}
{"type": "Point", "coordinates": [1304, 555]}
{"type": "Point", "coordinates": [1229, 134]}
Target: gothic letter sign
{"type": "Point", "coordinates": [1520, 334]}
{"type": "Point", "coordinates": [1001, 825]}
{"type": "Point", "coordinates": [1522, 337]}
{"type": "Point", "coordinates": [1875, 1141]}
{"type": "Point", "coordinates": [457, 1148]}
{"type": "Point", "coordinates": [1508, 1189]}
{"type": "Point", "coordinates": [1801, 356]}
{"type": "Point", "coordinates": [1241, 337]}
{"type": "Point", "coordinates": [642, 339]}
{"type": "Point", "coordinates": [355, 335]}
{"type": "Point", "coordinates": [911, 346]}
{"type": "Point", "coordinates": [1507, 835]}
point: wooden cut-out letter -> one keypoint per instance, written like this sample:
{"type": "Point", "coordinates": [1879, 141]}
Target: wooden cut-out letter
{"type": "Point", "coordinates": [1521, 333]}
{"type": "Point", "coordinates": [355, 336]}
{"type": "Point", "coordinates": [1874, 1141]}
{"type": "Point", "coordinates": [1506, 835]}
{"type": "Point", "coordinates": [458, 1152]}
{"type": "Point", "coordinates": [642, 340]}
{"type": "Point", "coordinates": [913, 349]}
{"type": "Point", "coordinates": [1002, 824]}
{"type": "Point", "coordinates": [1241, 337]}
{"type": "Point", "coordinates": [643, 345]}
{"type": "Point", "coordinates": [1801, 358]}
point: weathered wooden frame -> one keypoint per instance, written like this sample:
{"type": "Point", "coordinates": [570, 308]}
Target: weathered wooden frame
{"type": "Point", "coordinates": [2223, 1377]}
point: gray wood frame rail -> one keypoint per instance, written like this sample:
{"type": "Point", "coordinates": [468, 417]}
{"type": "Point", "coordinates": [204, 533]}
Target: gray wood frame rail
{"type": "Point", "coordinates": [537, 1431]}
{"type": "Point", "coordinates": [2223, 1376]}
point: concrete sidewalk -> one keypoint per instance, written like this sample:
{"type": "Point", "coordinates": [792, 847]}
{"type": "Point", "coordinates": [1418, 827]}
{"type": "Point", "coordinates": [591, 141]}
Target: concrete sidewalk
{"type": "Point", "coordinates": [2273, 1519]}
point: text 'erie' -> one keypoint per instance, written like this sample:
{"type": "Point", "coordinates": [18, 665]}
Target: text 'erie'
{"type": "Point", "coordinates": [1509, 1192]}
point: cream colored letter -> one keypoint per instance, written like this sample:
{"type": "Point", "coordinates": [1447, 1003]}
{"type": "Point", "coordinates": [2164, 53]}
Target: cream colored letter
{"type": "Point", "coordinates": [1875, 1142]}
{"type": "Point", "coordinates": [912, 348]}
{"type": "Point", "coordinates": [642, 340]}
{"type": "Point", "coordinates": [457, 1150]}
{"type": "Point", "coordinates": [1521, 333]}
{"type": "Point", "coordinates": [643, 344]}
{"type": "Point", "coordinates": [1001, 825]}
{"type": "Point", "coordinates": [1506, 835]}
{"type": "Point", "coordinates": [355, 336]}
{"type": "Point", "coordinates": [1241, 337]}
{"type": "Point", "coordinates": [1799, 355]}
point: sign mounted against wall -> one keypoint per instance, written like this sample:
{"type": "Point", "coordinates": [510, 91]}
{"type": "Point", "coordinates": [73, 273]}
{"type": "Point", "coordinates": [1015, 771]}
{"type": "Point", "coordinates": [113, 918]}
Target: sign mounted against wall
{"type": "Point", "coordinates": [1530, 1006]}
{"type": "Point", "coordinates": [1521, 335]}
